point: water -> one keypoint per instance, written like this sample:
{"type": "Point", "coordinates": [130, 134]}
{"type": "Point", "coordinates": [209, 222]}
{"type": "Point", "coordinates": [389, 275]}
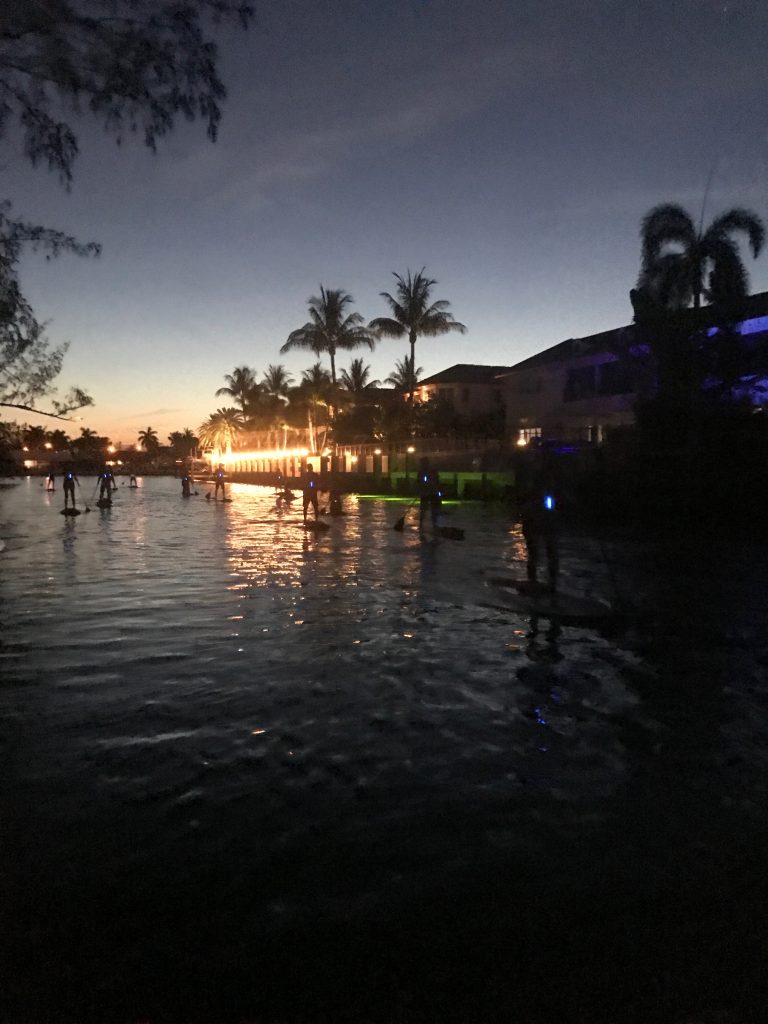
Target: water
{"type": "Point", "coordinates": [251, 774]}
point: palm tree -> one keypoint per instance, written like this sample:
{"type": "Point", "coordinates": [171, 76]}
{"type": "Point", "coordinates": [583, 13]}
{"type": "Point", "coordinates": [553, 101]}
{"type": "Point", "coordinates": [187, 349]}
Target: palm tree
{"type": "Point", "coordinates": [189, 438]}
{"type": "Point", "coordinates": [403, 378]}
{"type": "Point", "coordinates": [276, 381]}
{"type": "Point", "coordinates": [314, 393]}
{"type": "Point", "coordinates": [276, 385]}
{"type": "Point", "coordinates": [89, 443]}
{"type": "Point", "coordinates": [356, 377]}
{"type": "Point", "coordinates": [330, 328]}
{"type": "Point", "coordinates": [183, 442]}
{"type": "Point", "coordinates": [413, 314]}
{"type": "Point", "coordinates": [60, 440]}
{"type": "Point", "coordinates": [222, 429]}
{"type": "Point", "coordinates": [148, 440]}
{"type": "Point", "coordinates": [241, 385]}
{"type": "Point", "coordinates": [681, 263]}
{"type": "Point", "coordinates": [35, 437]}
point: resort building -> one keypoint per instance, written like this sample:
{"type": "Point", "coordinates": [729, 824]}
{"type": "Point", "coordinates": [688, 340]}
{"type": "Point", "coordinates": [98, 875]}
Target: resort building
{"type": "Point", "coordinates": [577, 390]}
{"type": "Point", "coordinates": [471, 389]}
{"type": "Point", "coordinates": [583, 388]}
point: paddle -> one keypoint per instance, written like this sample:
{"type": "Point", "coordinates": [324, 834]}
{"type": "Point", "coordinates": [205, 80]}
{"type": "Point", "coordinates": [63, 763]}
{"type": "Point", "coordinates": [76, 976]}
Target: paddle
{"type": "Point", "coordinates": [400, 524]}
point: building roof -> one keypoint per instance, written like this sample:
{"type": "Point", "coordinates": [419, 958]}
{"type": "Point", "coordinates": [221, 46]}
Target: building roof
{"type": "Point", "coordinates": [465, 373]}
{"type": "Point", "coordinates": [572, 348]}
{"type": "Point", "coordinates": [609, 341]}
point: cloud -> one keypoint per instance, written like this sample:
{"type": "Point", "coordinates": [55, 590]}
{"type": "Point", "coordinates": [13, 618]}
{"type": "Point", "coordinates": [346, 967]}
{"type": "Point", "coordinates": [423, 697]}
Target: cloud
{"type": "Point", "coordinates": [153, 412]}
{"type": "Point", "coordinates": [414, 103]}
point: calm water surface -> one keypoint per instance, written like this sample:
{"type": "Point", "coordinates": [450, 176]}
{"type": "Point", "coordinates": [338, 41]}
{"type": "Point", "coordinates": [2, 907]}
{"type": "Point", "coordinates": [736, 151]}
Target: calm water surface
{"type": "Point", "coordinates": [251, 774]}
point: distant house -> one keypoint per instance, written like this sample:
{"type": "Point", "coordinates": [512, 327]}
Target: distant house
{"type": "Point", "coordinates": [580, 390]}
{"type": "Point", "coordinates": [472, 389]}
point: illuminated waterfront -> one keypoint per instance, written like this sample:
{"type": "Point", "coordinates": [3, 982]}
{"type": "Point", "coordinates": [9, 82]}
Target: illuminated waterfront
{"type": "Point", "coordinates": [250, 772]}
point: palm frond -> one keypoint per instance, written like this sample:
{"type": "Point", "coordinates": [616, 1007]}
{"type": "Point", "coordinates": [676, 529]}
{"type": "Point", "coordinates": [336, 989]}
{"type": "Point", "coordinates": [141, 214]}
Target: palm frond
{"type": "Point", "coordinates": [304, 338]}
{"type": "Point", "coordinates": [388, 327]}
{"type": "Point", "coordinates": [433, 324]}
{"type": "Point", "coordinates": [739, 219]}
{"type": "Point", "coordinates": [728, 281]}
{"type": "Point", "coordinates": [666, 223]}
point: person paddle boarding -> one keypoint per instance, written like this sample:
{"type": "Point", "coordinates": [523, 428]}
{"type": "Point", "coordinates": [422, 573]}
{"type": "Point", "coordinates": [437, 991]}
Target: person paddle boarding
{"type": "Point", "coordinates": [69, 487]}
{"type": "Point", "coordinates": [106, 484]}
{"type": "Point", "coordinates": [50, 483]}
{"type": "Point", "coordinates": [186, 484]}
{"type": "Point", "coordinates": [218, 478]}
{"type": "Point", "coordinates": [309, 487]}
{"type": "Point", "coordinates": [539, 516]}
{"type": "Point", "coordinates": [132, 482]}
{"type": "Point", "coordinates": [430, 495]}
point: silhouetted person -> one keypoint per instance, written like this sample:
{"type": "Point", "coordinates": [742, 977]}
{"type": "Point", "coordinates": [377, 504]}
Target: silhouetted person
{"type": "Point", "coordinates": [218, 477]}
{"type": "Point", "coordinates": [430, 494]}
{"type": "Point", "coordinates": [106, 484]}
{"type": "Point", "coordinates": [309, 487]}
{"type": "Point", "coordinates": [50, 483]}
{"type": "Point", "coordinates": [132, 481]}
{"type": "Point", "coordinates": [334, 504]}
{"type": "Point", "coordinates": [69, 487]}
{"type": "Point", "coordinates": [539, 516]}
{"type": "Point", "coordinates": [186, 482]}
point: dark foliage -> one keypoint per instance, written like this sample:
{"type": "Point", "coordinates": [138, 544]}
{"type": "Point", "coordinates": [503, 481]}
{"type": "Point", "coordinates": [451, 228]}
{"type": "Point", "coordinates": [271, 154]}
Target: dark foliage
{"type": "Point", "coordinates": [28, 365]}
{"type": "Point", "coordinates": [137, 65]}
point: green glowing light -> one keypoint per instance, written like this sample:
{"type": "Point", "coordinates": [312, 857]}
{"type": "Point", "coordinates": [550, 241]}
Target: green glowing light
{"type": "Point", "coordinates": [402, 500]}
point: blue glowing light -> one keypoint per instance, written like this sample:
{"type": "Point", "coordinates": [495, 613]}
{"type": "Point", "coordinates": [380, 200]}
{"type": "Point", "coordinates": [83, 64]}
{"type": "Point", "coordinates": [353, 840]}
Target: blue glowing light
{"type": "Point", "coordinates": [754, 325]}
{"type": "Point", "coordinates": [549, 502]}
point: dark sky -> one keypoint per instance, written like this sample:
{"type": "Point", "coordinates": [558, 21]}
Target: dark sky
{"type": "Point", "coordinates": [511, 147]}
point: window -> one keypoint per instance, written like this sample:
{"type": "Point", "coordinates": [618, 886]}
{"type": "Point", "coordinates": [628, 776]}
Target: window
{"type": "Point", "coordinates": [580, 383]}
{"type": "Point", "coordinates": [613, 379]}
{"type": "Point", "coordinates": [526, 434]}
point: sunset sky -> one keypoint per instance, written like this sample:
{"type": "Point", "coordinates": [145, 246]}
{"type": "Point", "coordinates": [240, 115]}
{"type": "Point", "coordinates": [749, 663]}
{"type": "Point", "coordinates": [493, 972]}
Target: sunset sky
{"type": "Point", "coordinates": [511, 147]}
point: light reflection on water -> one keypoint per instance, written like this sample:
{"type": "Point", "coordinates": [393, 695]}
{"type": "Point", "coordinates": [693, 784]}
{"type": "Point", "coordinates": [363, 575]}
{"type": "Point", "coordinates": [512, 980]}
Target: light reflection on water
{"type": "Point", "coordinates": [373, 651]}
{"type": "Point", "coordinates": [188, 675]}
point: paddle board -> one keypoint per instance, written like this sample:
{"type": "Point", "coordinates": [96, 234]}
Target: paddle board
{"type": "Point", "coordinates": [536, 599]}
{"type": "Point", "coordinates": [70, 511]}
{"type": "Point", "coordinates": [315, 527]}
{"type": "Point", "coordinates": [451, 532]}
{"type": "Point", "coordinates": [104, 503]}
